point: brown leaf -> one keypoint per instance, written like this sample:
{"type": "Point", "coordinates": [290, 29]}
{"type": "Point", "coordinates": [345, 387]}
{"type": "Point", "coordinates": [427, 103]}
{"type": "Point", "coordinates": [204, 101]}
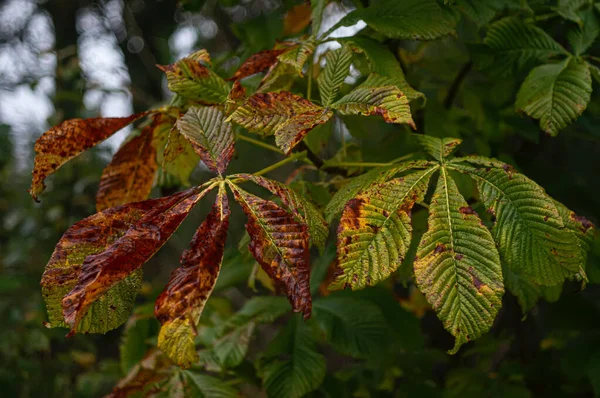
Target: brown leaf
{"type": "Point", "coordinates": [61, 143]}
{"type": "Point", "coordinates": [179, 306]}
{"type": "Point", "coordinates": [296, 19]}
{"type": "Point", "coordinates": [179, 157]}
{"type": "Point", "coordinates": [295, 129]}
{"type": "Point", "coordinates": [284, 114]}
{"type": "Point", "coordinates": [280, 245]}
{"type": "Point", "coordinates": [130, 174]}
{"type": "Point", "coordinates": [91, 235]}
{"type": "Point", "coordinates": [99, 272]}
{"type": "Point", "coordinates": [257, 63]}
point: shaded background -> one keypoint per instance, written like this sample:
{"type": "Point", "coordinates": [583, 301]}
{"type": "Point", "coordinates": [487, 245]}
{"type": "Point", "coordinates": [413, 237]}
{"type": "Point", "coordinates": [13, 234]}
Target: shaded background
{"type": "Point", "coordinates": [62, 59]}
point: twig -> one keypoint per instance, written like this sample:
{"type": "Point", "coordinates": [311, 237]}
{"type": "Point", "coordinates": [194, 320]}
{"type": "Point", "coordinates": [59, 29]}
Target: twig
{"type": "Point", "coordinates": [453, 90]}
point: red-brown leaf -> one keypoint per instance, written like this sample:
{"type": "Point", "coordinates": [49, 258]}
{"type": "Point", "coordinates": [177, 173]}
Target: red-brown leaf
{"type": "Point", "coordinates": [61, 143]}
{"type": "Point", "coordinates": [91, 235]}
{"type": "Point", "coordinates": [257, 63]}
{"type": "Point", "coordinates": [99, 272]}
{"type": "Point", "coordinates": [130, 175]}
{"type": "Point", "coordinates": [280, 245]}
{"type": "Point", "coordinates": [179, 306]}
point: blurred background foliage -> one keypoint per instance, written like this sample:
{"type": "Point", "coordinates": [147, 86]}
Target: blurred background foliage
{"type": "Point", "coordinates": [62, 59]}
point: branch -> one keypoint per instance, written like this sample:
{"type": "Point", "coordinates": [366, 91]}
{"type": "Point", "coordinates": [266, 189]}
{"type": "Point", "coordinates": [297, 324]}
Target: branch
{"type": "Point", "coordinates": [453, 90]}
{"type": "Point", "coordinates": [318, 162]}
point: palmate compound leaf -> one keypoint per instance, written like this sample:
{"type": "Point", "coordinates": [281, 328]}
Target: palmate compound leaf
{"type": "Point", "coordinates": [376, 97]}
{"type": "Point", "coordinates": [375, 230]}
{"type": "Point", "coordinates": [257, 63]}
{"type": "Point", "coordinates": [333, 75]}
{"type": "Point", "coordinates": [102, 270]}
{"type": "Point", "coordinates": [291, 366]}
{"type": "Point", "coordinates": [301, 208]}
{"type": "Point", "coordinates": [439, 148]}
{"type": "Point", "coordinates": [210, 135]}
{"type": "Point", "coordinates": [280, 245]}
{"type": "Point", "coordinates": [288, 116]}
{"type": "Point", "coordinates": [556, 94]}
{"type": "Point", "coordinates": [191, 78]}
{"type": "Point", "coordinates": [179, 306]}
{"type": "Point", "coordinates": [531, 236]}
{"type": "Point", "coordinates": [407, 19]}
{"type": "Point", "coordinates": [130, 174]}
{"type": "Point", "coordinates": [299, 54]}
{"type": "Point", "coordinates": [70, 138]}
{"type": "Point", "coordinates": [362, 182]}
{"type": "Point", "coordinates": [457, 266]}
{"type": "Point", "coordinates": [516, 44]}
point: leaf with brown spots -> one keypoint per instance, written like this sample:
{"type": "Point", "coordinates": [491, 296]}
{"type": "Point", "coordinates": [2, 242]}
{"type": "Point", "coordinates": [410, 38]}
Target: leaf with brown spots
{"type": "Point", "coordinates": [530, 233]}
{"type": "Point", "coordinates": [375, 230]}
{"type": "Point", "coordinates": [130, 174]}
{"type": "Point", "coordinates": [298, 55]}
{"type": "Point", "coordinates": [458, 267]}
{"type": "Point", "coordinates": [280, 245]}
{"type": "Point", "coordinates": [302, 209]}
{"type": "Point", "coordinates": [257, 63]}
{"type": "Point", "coordinates": [179, 306]}
{"type": "Point", "coordinates": [439, 148]}
{"type": "Point", "coordinates": [103, 270]}
{"type": "Point", "coordinates": [373, 98]}
{"type": "Point", "coordinates": [210, 135]}
{"type": "Point", "coordinates": [90, 236]}
{"type": "Point", "coordinates": [288, 116]}
{"type": "Point", "coordinates": [190, 78]}
{"type": "Point", "coordinates": [62, 143]}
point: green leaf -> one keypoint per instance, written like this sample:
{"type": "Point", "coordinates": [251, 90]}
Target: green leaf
{"type": "Point", "coordinates": [232, 339]}
{"type": "Point", "coordinates": [458, 267]}
{"type": "Point", "coordinates": [516, 44]}
{"type": "Point", "coordinates": [133, 345]}
{"type": "Point", "coordinates": [353, 327]}
{"type": "Point", "coordinates": [336, 70]}
{"type": "Point", "coordinates": [580, 226]}
{"type": "Point", "coordinates": [439, 148]}
{"type": "Point", "coordinates": [383, 62]}
{"type": "Point", "coordinates": [203, 386]}
{"type": "Point", "coordinates": [317, 7]}
{"type": "Point", "coordinates": [179, 158]}
{"type": "Point", "coordinates": [526, 292]}
{"type": "Point", "coordinates": [291, 366]}
{"type": "Point", "coordinates": [529, 232]}
{"type": "Point", "coordinates": [375, 230]}
{"type": "Point", "coordinates": [362, 182]}
{"type": "Point", "coordinates": [481, 12]}
{"type": "Point", "coordinates": [582, 37]}
{"type": "Point", "coordinates": [408, 19]}
{"type": "Point", "coordinates": [557, 94]}
{"type": "Point", "coordinates": [568, 9]}
{"type": "Point", "coordinates": [298, 55]}
{"type": "Point", "coordinates": [304, 211]}
{"type": "Point", "coordinates": [210, 136]}
{"type": "Point", "coordinates": [376, 97]}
